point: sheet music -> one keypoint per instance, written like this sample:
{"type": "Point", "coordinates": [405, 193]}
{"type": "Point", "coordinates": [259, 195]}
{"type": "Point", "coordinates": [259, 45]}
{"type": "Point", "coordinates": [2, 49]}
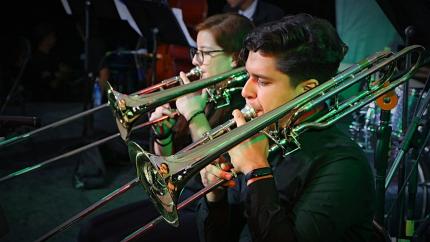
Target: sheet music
{"type": "Point", "coordinates": [121, 8]}
{"type": "Point", "coordinates": [66, 7]}
{"type": "Point", "coordinates": [178, 14]}
{"type": "Point", "coordinates": [124, 14]}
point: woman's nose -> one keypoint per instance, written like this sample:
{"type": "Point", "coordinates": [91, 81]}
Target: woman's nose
{"type": "Point", "coordinates": [195, 62]}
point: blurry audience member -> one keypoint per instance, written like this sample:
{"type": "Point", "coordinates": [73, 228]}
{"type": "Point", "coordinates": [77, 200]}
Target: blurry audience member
{"type": "Point", "coordinates": [256, 10]}
{"type": "Point", "coordinates": [16, 53]}
{"type": "Point", "coordinates": [46, 76]}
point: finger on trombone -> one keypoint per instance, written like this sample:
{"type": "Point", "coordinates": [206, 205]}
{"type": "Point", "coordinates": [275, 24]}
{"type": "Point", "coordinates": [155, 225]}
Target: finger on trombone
{"type": "Point", "coordinates": [229, 184]}
{"type": "Point", "coordinates": [184, 77]}
{"type": "Point", "coordinates": [239, 117]}
{"type": "Point", "coordinates": [218, 172]}
{"type": "Point", "coordinates": [226, 166]}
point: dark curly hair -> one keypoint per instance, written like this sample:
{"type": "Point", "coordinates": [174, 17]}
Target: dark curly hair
{"type": "Point", "coordinates": [304, 46]}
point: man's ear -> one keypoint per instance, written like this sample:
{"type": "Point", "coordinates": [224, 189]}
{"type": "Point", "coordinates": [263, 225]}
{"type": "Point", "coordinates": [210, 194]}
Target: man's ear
{"type": "Point", "coordinates": [307, 85]}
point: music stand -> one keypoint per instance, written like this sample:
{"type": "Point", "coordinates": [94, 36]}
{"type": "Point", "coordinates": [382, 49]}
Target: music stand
{"type": "Point", "coordinates": [157, 19]}
{"type": "Point", "coordinates": [150, 15]}
{"type": "Point", "coordinates": [102, 8]}
{"type": "Point", "coordinates": [89, 12]}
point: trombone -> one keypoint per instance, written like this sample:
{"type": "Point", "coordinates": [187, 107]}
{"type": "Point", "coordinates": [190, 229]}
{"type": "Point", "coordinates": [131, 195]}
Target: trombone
{"type": "Point", "coordinates": [164, 187]}
{"type": "Point", "coordinates": [76, 151]}
{"type": "Point", "coordinates": [219, 130]}
{"type": "Point", "coordinates": [220, 96]}
{"type": "Point", "coordinates": [165, 177]}
{"type": "Point", "coordinates": [193, 73]}
{"type": "Point", "coordinates": [127, 109]}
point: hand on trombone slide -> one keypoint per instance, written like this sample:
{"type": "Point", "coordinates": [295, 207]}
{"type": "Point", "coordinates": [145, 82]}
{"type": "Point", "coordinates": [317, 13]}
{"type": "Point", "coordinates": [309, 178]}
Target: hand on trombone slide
{"type": "Point", "coordinates": [187, 105]}
{"type": "Point", "coordinates": [192, 103]}
{"type": "Point", "coordinates": [163, 128]}
{"type": "Point", "coordinates": [190, 106]}
{"type": "Point", "coordinates": [251, 153]}
{"type": "Point", "coordinates": [219, 169]}
{"type": "Point", "coordinates": [245, 157]}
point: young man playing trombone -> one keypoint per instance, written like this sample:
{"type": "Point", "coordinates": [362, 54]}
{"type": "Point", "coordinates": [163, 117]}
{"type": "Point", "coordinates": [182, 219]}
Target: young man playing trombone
{"type": "Point", "coordinates": [321, 192]}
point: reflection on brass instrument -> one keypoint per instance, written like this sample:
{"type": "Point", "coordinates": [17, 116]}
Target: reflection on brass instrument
{"type": "Point", "coordinates": [164, 177]}
{"type": "Point", "coordinates": [222, 97]}
{"type": "Point", "coordinates": [219, 130]}
{"type": "Point", "coordinates": [194, 73]}
{"type": "Point", "coordinates": [127, 109]}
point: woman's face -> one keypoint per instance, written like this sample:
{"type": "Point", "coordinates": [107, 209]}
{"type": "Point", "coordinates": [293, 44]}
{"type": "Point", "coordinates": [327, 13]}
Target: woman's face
{"type": "Point", "coordinates": [210, 56]}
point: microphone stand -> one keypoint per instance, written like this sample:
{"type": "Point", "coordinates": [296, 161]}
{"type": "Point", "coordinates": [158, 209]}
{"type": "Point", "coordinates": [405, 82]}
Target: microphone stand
{"type": "Point", "coordinates": [381, 163]}
{"type": "Point", "coordinates": [408, 142]}
{"type": "Point", "coordinates": [409, 32]}
{"type": "Point", "coordinates": [88, 121]}
{"type": "Point", "coordinates": [416, 154]}
{"type": "Point", "coordinates": [154, 77]}
{"type": "Point", "coordinates": [154, 55]}
{"type": "Point", "coordinates": [140, 67]}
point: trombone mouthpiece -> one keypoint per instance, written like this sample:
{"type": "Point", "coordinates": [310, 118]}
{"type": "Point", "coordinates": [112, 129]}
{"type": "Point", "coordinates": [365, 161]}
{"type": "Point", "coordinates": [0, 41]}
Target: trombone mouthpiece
{"type": "Point", "coordinates": [195, 73]}
{"type": "Point", "coordinates": [248, 112]}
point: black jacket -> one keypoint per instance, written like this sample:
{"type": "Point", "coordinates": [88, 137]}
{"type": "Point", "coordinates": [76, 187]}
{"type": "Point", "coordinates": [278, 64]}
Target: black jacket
{"type": "Point", "coordinates": [322, 192]}
{"type": "Point", "coordinates": [265, 12]}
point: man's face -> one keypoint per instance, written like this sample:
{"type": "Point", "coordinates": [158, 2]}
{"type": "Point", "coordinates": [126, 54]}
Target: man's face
{"type": "Point", "coordinates": [235, 3]}
{"type": "Point", "coordinates": [267, 88]}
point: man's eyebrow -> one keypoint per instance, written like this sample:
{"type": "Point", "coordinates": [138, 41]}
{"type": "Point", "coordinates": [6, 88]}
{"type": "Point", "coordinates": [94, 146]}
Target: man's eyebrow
{"type": "Point", "coordinates": [259, 75]}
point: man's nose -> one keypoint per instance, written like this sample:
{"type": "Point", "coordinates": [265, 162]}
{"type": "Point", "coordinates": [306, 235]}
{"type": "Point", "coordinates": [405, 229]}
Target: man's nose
{"type": "Point", "coordinates": [248, 90]}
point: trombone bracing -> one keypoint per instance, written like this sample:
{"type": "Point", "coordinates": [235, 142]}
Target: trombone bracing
{"type": "Point", "coordinates": [164, 177]}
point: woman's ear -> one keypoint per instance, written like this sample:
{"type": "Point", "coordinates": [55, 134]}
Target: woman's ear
{"type": "Point", "coordinates": [307, 85]}
{"type": "Point", "coordinates": [234, 61]}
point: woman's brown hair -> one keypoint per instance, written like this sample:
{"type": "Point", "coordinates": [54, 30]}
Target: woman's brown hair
{"type": "Point", "coordinates": [229, 31]}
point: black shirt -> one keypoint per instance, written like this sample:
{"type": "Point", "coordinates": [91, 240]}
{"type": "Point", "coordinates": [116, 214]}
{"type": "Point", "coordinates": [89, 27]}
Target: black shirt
{"type": "Point", "coordinates": [322, 192]}
{"type": "Point", "coordinates": [264, 12]}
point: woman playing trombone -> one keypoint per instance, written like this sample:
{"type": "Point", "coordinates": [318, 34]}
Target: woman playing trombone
{"type": "Point", "coordinates": [219, 41]}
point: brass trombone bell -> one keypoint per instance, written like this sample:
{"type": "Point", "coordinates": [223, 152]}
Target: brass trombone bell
{"type": "Point", "coordinates": [163, 178]}
{"type": "Point", "coordinates": [127, 109]}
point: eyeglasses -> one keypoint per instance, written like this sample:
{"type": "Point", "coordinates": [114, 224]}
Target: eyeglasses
{"type": "Point", "coordinates": [200, 54]}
